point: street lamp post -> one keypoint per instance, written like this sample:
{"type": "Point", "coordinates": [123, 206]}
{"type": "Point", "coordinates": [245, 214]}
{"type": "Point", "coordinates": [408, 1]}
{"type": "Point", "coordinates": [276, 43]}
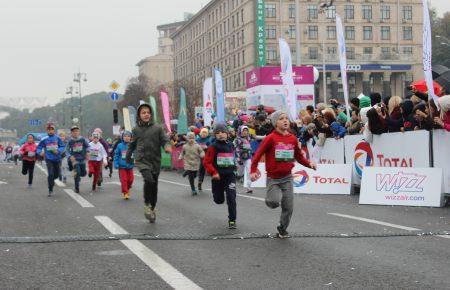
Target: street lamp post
{"type": "Point", "coordinates": [78, 78]}
{"type": "Point", "coordinates": [70, 91]}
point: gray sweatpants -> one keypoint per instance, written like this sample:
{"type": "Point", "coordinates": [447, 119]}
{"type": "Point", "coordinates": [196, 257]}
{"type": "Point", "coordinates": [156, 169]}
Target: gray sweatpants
{"type": "Point", "coordinates": [281, 190]}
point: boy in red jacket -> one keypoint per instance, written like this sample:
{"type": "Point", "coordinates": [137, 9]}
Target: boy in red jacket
{"type": "Point", "coordinates": [28, 151]}
{"type": "Point", "coordinates": [281, 149]}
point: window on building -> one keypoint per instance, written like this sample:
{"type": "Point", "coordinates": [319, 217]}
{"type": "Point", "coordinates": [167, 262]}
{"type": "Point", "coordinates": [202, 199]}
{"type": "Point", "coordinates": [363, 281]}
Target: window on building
{"type": "Point", "coordinates": [242, 36]}
{"type": "Point", "coordinates": [408, 50]}
{"type": "Point", "coordinates": [349, 12]}
{"type": "Point", "coordinates": [368, 50]}
{"type": "Point", "coordinates": [331, 12]}
{"type": "Point", "coordinates": [367, 33]}
{"type": "Point", "coordinates": [313, 32]}
{"type": "Point", "coordinates": [271, 31]}
{"type": "Point", "coordinates": [407, 33]}
{"type": "Point", "coordinates": [271, 53]}
{"type": "Point", "coordinates": [350, 32]}
{"type": "Point", "coordinates": [385, 33]}
{"type": "Point", "coordinates": [385, 52]}
{"type": "Point", "coordinates": [313, 52]}
{"type": "Point", "coordinates": [331, 32]}
{"type": "Point", "coordinates": [407, 12]}
{"type": "Point", "coordinates": [331, 50]}
{"type": "Point", "coordinates": [312, 12]}
{"type": "Point", "coordinates": [367, 12]}
{"type": "Point", "coordinates": [385, 12]}
{"type": "Point", "coordinates": [271, 10]}
{"type": "Point", "coordinates": [243, 57]}
{"type": "Point", "coordinates": [291, 31]}
{"type": "Point", "coordinates": [350, 52]}
{"type": "Point", "coordinates": [291, 10]}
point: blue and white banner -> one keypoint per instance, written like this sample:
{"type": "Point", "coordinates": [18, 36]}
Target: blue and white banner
{"type": "Point", "coordinates": [342, 60]}
{"type": "Point", "coordinates": [220, 97]}
{"type": "Point", "coordinates": [427, 53]}
{"type": "Point", "coordinates": [133, 114]}
{"type": "Point", "coordinates": [290, 95]}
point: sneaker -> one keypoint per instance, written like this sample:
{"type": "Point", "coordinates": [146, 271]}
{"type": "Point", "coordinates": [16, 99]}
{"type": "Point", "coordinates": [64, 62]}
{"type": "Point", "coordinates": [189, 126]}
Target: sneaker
{"type": "Point", "coordinates": [152, 216]}
{"type": "Point", "coordinates": [50, 193]}
{"type": "Point", "coordinates": [126, 196]}
{"type": "Point", "coordinates": [77, 190]}
{"type": "Point", "coordinates": [185, 174]}
{"type": "Point", "coordinates": [199, 186]}
{"type": "Point", "coordinates": [149, 213]}
{"type": "Point", "coordinates": [249, 191]}
{"type": "Point", "coordinates": [194, 192]}
{"type": "Point", "coordinates": [30, 185]}
{"type": "Point", "coordinates": [94, 187]}
{"type": "Point", "coordinates": [90, 175]}
{"type": "Point", "coordinates": [65, 179]}
{"type": "Point", "coordinates": [99, 183]}
{"type": "Point", "coordinates": [282, 233]}
{"type": "Point", "coordinates": [232, 225]}
{"type": "Point", "coordinates": [110, 175]}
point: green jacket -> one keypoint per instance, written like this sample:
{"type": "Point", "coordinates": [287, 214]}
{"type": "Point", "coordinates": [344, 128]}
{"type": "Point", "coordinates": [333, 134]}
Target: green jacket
{"type": "Point", "coordinates": [148, 139]}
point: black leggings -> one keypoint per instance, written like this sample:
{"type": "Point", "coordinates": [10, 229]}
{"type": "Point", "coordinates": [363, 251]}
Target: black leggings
{"type": "Point", "coordinates": [201, 173]}
{"type": "Point", "coordinates": [28, 168]}
{"type": "Point", "coordinates": [150, 187]}
{"type": "Point", "coordinates": [191, 176]}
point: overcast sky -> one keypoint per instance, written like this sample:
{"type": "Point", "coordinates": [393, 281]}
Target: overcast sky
{"type": "Point", "coordinates": [43, 42]}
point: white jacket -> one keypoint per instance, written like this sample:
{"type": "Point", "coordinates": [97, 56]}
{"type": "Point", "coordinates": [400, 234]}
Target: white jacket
{"type": "Point", "coordinates": [97, 152]}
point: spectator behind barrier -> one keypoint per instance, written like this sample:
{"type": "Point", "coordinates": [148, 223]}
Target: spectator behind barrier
{"type": "Point", "coordinates": [356, 124]}
{"type": "Point", "coordinates": [444, 120]}
{"type": "Point", "coordinates": [422, 117]}
{"type": "Point", "coordinates": [375, 98]}
{"type": "Point", "coordinates": [395, 121]}
{"type": "Point", "coordinates": [406, 109]}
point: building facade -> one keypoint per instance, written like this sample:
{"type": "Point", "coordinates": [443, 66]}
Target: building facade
{"type": "Point", "coordinates": [383, 39]}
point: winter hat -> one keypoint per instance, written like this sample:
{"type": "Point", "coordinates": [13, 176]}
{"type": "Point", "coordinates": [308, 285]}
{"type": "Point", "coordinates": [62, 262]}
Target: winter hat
{"type": "Point", "coordinates": [74, 127]}
{"type": "Point", "coordinates": [204, 130]}
{"type": "Point", "coordinates": [197, 131]}
{"type": "Point", "coordinates": [190, 135]}
{"type": "Point", "coordinates": [50, 126]}
{"type": "Point", "coordinates": [276, 116]}
{"type": "Point", "coordinates": [191, 128]}
{"type": "Point", "coordinates": [220, 128]}
{"type": "Point", "coordinates": [364, 102]}
{"type": "Point", "coordinates": [342, 117]}
{"type": "Point", "coordinates": [127, 133]}
{"type": "Point", "coordinates": [444, 103]}
{"type": "Point", "coordinates": [95, 135]}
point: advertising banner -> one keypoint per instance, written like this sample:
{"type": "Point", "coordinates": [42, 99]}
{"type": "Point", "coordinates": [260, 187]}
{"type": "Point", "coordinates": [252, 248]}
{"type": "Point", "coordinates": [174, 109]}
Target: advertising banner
{"type": "Point", "coordinates": [166, 110]}
{"type": "Point", "coordinates": [220, 96]}
{"type": "Point", "coordinates": [265, 86]}
{"type": "Point", "coordinates": [327, 179]}
{"type": "Point", "coordinates": [332, 152]}
{"type": "Point", "coordinates": [402, 186]}
{"type": "Point", "coordinates": [234, 102]}
{"type": "Point", "coordinates": [260, 32]}
{"type": "Point", "coordinates": [182, 116]}
{"type": "Point", "coordinates": [262, 181]}
{"type": "Point", "coordinates": [208, 103]}
{"type": "Point", "coordinates": [289, 93]}
{"type": "Point", "coordinates": [441, 155]}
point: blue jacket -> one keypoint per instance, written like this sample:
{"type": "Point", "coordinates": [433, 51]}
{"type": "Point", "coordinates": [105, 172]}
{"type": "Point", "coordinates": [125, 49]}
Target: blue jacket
{"type": "Point", "coordinates": [77, 148]}
{"type": "Point", "coordinates": [338, 130]}
{"type": "Point", "coordinates": [120, 157]}
{"type": "Point", "coordinates": [49, 144]}
{"type": "Point", "coordinates": [204, 142]}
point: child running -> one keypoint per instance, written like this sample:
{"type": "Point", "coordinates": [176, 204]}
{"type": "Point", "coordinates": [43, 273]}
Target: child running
{"type": "Point", "coordinates": [28, 151]}
{"type": "Point", "coordinates": [126, 173]}
{"type": "Point", "coordinates": [244, 156]}
{"type": "Point", "coordinates": [51, 149]}
{"type": "Point", "coordinates": [281, 149]}
{"type": "Point", "coordinates": [77, 149]}
{"type": "Point", "coordinates": [148, 139]}
{"type": "Point", "coordinates": [192, 155]}
{"type": "Point", "coordinates": [204, 140]}
{"type": "Point", "coordinates": [220, 163]}
{"type": "Point", "coordinates": [97, 158]}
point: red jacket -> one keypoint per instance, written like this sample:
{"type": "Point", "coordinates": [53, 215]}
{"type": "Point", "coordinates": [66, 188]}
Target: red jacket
{"type": "Point", "coordinates": [28, 149]}
{"type": "Point", "coordinates": [285, 148]}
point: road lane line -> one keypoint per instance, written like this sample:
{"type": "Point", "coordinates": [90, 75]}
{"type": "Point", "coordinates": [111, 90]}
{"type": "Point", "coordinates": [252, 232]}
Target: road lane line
{"type": "Point", "coordinates": [208, 189]}
{"type": "Point", "coordinates": [78, 198]}
{"type": "Point", "coordinates": [163, 269]}
{"type": "Point", "coordinates": [374, 222]}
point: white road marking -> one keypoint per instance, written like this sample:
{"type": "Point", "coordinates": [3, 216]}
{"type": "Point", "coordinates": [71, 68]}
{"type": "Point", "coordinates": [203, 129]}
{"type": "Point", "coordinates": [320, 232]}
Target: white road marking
{"type": "Point", "coordinates": [112, 182]}
{"type": "Point", "coordinates": [60, 183]}
{"type": "Point", "coordinates": [375, 222]}
{"type": "Point", "coordinates": [2, 182]}
{"type": "Point", "coordinates": [78, 198]}
{"type": "Point", "coordinates": [163, 269]}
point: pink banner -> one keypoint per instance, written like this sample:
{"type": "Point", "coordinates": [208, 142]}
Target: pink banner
{"type": "Point", "coordinates": [166, 110]}
{"type": "Point", "coordinates": [271, 75]}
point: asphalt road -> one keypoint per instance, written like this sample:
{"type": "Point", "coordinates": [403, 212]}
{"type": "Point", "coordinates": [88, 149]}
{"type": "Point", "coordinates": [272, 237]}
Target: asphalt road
{"type": "Point", "coordinates": [413, 262]}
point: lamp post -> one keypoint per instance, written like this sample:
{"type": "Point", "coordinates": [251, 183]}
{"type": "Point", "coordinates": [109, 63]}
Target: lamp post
{"type": "Point", "coordinates": [79, 78]}
{"type": "Point", "coordinates": [71, 91]}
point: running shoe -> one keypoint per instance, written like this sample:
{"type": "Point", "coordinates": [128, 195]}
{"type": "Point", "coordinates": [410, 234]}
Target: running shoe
{"type": "Point", "coordinates": [282, 233]}
{"type": "Point", "coordinates": [194, 192]}
{"type": "Point", "coordinates": [50, 193]}
{"type": "Point", "coordinates": [232, 225]}
{"type": "Point", "coordinates": [126, 196]}
{"type": "Point", "coordinates": [199, 186]}
{"type": "Point", "coordinates": [149, 213]}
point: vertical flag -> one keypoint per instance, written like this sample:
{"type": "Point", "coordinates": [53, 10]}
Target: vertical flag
{"type": "Point", "coordinates": [220, 96]}
{"type": "Point", "coordinates": [126, 119]}
{"type": "Point", "coordinates": [132, 111]}
{"type": "Point", "coordinates": [166, 110]}
{"type": "Point", "coordinates": [343, 60]}
{"type": "Point", "coordinates": [208, 105]}
{"type": "Point", "coordinates": [152, 103]}
{"type": "Point", "coordinates": [290, 96]}
{"type": "Point", "coordinates": [182, 116]}
{"type": "Point", "coordinates": [427, 53]}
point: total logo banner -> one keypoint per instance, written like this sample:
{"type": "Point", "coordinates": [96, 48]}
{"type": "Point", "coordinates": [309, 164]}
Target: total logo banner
{"type": "Point", "coordinates": [402, 186]}
{"type": "Point", "coordinates": [327, 179]}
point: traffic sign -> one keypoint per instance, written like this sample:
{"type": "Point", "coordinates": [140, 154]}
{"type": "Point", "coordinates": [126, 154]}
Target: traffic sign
{"type": "Point", "coordinates": [114, 96]}
{"type": "Point", "coordinates": [34, 122]}
{"type": "Point", "coordinates": [114, 86]}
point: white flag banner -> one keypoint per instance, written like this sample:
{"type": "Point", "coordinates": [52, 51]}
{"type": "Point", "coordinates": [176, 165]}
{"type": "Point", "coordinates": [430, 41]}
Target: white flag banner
{"type": "Point", "coordinates": [427, 53]}
{"type": "Point", "coordinates": [342, 60]}
{"type": "Point", "coordinates": [208, 105]}
{"type": "Point", "coordinates": [290, 95]}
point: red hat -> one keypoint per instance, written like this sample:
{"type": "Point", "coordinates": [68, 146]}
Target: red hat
{"type": "Point", "coordinates": [50, 125]}
{"type": "Point", "coordinates": [196, 131]}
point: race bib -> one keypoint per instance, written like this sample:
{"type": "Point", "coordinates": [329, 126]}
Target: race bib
{"type": "Point", "coordinates": [225, 159]}
{"type": "Point", "coordinates": [123, 154]}
{"type": "Point", "coordinates": [284, 153]}
{"type": "Point", "coordinates": [77, 148]}
{"type": "Point", "coordinates": [31, 154]}
{"type": "Point", "coordinates": [246, 146]}
{"type": "Point", "coordinates": [51, 147]}
{"type": "Point", "coordinates": [94, 153]}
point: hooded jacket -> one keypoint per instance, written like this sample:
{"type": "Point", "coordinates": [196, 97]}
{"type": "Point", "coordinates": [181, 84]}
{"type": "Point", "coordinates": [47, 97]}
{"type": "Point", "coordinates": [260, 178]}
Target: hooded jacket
{"type": "Point", "coordinates": [28, 151]}
{"type": "Point", "coordinates": [53, 147]}
{"type": "Point", "coordinates": [120, 156]}
{"type": "Point", "coordinates": [408, 119]}
{"type": "Point", "coordinates": [148, 139]}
